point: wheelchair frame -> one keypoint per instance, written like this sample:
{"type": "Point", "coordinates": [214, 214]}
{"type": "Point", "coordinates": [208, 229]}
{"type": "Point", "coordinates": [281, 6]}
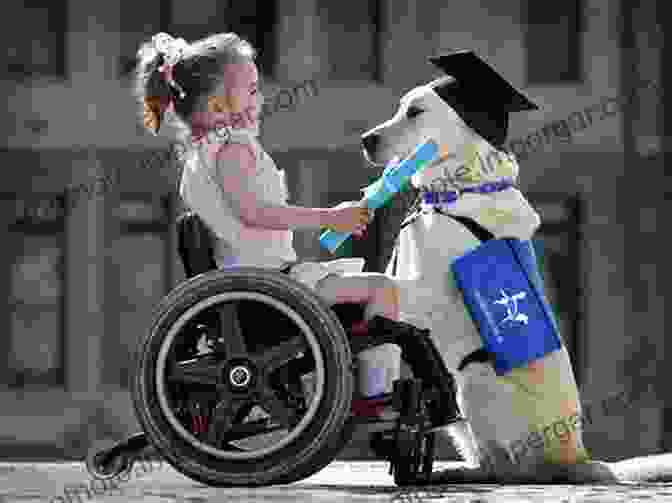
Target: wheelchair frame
{"type": "Point", "coordinates": [407, 441]}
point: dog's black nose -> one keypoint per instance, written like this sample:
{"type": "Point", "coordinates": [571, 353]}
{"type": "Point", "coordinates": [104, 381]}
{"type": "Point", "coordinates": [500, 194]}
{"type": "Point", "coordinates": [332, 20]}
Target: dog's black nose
{"type": "Point", "coordinates": [370, 143]}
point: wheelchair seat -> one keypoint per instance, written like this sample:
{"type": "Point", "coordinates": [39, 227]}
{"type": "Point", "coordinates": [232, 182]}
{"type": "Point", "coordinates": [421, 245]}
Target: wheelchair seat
{"type": "Point", "coordinates": [195, 247]}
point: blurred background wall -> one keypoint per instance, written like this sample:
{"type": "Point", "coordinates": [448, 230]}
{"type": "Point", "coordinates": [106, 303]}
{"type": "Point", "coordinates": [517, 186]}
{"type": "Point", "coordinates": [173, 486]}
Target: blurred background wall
{"type": "Point", "coordinates": [81, 273]}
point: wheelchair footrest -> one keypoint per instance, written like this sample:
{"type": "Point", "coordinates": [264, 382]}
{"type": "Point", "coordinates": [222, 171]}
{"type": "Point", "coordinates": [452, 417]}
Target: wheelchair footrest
{"type": "Point", "coordinates": [413, 454]}
{"type": "Point", "coordinates": [409, 445]}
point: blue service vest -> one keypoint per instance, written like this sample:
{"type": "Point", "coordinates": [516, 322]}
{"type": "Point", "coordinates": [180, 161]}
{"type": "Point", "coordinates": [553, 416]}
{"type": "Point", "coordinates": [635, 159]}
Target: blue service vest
{"type": "Point", "coordinates": [504, 293]}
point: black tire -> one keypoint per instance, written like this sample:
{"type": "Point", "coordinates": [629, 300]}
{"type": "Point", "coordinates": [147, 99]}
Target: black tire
{"type": "Point", "coordinates": [318, 442]}
{"type": "Point", "coordinates": [327, 454]}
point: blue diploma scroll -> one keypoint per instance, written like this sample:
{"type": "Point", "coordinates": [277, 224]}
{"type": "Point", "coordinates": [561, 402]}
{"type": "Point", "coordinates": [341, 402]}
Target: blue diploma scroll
{"type": "Point", "coordinates": [393, 180]}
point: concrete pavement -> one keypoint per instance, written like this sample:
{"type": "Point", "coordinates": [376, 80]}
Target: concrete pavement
{"type": "Point", "coordinates": [365, 482]}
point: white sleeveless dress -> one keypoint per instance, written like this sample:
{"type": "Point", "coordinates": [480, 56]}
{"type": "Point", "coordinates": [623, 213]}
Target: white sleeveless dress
{"type": "Point", "coordinates": [237, 244]}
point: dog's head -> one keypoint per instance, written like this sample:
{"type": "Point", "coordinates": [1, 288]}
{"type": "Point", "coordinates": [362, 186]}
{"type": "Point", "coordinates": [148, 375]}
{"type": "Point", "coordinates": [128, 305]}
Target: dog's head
{"type": "Point", "coordinates": [469, 104]}
{"type": "Point", "coordinates": [422, 114]}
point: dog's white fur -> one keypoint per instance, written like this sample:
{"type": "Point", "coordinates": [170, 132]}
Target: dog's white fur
{"type": "Point", "coordinates": [430, 299]}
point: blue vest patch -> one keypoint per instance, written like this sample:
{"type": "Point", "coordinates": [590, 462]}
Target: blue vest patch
{"type": "Point", "coordinates": [504, 294]}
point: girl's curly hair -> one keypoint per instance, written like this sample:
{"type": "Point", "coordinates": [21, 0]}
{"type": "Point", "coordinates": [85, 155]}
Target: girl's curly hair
{"type": "Point", "coordinates": [198, 74]}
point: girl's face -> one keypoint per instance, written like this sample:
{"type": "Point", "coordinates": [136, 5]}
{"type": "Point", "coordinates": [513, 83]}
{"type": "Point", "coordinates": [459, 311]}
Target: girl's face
{"type": "Point", "coordinates": [237, 99]}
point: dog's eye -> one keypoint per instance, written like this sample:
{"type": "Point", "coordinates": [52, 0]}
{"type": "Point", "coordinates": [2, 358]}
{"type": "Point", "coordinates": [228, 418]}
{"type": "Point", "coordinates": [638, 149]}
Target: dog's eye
{"type": "Point", "coordinates": [413, 112]}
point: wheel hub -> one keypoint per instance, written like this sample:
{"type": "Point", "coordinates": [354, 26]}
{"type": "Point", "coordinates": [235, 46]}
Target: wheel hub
{"type": "Point", "coordinates": [240, 376]}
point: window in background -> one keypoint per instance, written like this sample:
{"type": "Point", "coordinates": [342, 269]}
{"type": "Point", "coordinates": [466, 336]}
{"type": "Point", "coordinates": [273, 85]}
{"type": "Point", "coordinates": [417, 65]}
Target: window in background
{"type": "Point", "coordinates": [33, 37]}
{"type": "Point", "coordinates": [353, 31]}
{"type": "Point", "coordinates": [557, 245]}
{"type": "Point", "coordinates": [139, 21]}
{"type": "Point", "coordinates": [254, 20]}
{"type": "Point", "coordinates": [34, 278]}
{"type": "Point", "coordinates": [141, 260]}
{"type": "Point", "coordinates": [553, 35]}
{"type": "Point", "coordinates": [644, 80]}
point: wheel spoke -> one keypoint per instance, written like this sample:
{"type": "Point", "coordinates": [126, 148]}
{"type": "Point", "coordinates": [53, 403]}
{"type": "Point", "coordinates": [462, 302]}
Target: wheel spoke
{"type": "Point", "coordinates": [246, 430]}
{"type": "Point", "coordinates": [222, 418]}
{"type": "Point", "coordinates": [205, 370]}
{"type": "Point", "coordinates": [231, 333]}
{"type": "Point", "coordinates": [277, 409]}
{"type": "Point", "coordinates": [276, 356]}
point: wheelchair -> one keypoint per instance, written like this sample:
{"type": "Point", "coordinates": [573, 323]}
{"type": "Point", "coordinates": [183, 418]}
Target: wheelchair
{"type": "Point", "coordinates": [247, 378]}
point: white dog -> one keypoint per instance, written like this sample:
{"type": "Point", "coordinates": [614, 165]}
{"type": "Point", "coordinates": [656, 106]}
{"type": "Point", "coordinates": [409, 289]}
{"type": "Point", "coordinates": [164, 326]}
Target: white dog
{"type": "Point", "coordinates": [466, 112]}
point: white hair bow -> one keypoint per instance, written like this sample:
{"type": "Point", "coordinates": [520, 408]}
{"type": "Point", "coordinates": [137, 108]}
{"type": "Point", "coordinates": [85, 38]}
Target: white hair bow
{"type": "Point", "coordinates": [173, 50]}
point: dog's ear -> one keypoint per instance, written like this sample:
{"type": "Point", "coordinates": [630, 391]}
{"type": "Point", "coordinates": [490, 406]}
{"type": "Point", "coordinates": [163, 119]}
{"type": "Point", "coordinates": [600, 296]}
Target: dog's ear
{"type": "Point", "coordinates": [479, 95]}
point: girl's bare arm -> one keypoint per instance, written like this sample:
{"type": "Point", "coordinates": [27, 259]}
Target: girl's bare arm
{"type": "Point", "coordinates": [235, 167]}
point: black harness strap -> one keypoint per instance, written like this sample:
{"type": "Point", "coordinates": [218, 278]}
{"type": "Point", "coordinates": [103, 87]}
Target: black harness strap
{"type": "Point", "coordinates": [480, 355]}
{"type": "Point", "coordinates": [474, 227]}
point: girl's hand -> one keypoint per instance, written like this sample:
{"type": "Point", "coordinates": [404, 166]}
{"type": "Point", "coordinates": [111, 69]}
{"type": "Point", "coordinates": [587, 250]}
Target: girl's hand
{"type": "Point", "coordinates": [349, 216]}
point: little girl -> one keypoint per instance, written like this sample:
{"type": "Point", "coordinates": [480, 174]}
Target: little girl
{"type": "Point", "coordinates": [230, 181]}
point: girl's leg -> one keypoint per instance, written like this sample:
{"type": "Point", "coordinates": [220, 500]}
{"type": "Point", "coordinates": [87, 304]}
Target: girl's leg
{"type": "Point", "coordinates": [381, 295]}
{"type": "Point", "coordinates": [379, 292]}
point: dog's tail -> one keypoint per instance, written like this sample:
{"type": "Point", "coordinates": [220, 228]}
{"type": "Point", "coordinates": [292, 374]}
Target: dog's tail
{"type": "Point", "coordinates": [654, 468]}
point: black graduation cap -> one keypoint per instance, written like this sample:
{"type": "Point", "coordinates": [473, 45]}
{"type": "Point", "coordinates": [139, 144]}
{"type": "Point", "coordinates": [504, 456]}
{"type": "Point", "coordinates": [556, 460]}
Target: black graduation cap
{"type": "Point", "coordinates": [480, 95]}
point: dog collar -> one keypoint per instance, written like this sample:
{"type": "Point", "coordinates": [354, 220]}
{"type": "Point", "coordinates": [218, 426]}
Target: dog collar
{"type": "Point", "coordinates": [450, 196]}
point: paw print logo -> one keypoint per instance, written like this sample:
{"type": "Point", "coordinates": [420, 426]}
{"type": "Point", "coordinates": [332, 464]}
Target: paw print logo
{"type": "Point", "coordinates": [512, 309]}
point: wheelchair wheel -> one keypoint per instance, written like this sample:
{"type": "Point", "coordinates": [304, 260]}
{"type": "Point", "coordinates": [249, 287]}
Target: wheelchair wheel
{"type": "Point", "coordinates": [244, 379]}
